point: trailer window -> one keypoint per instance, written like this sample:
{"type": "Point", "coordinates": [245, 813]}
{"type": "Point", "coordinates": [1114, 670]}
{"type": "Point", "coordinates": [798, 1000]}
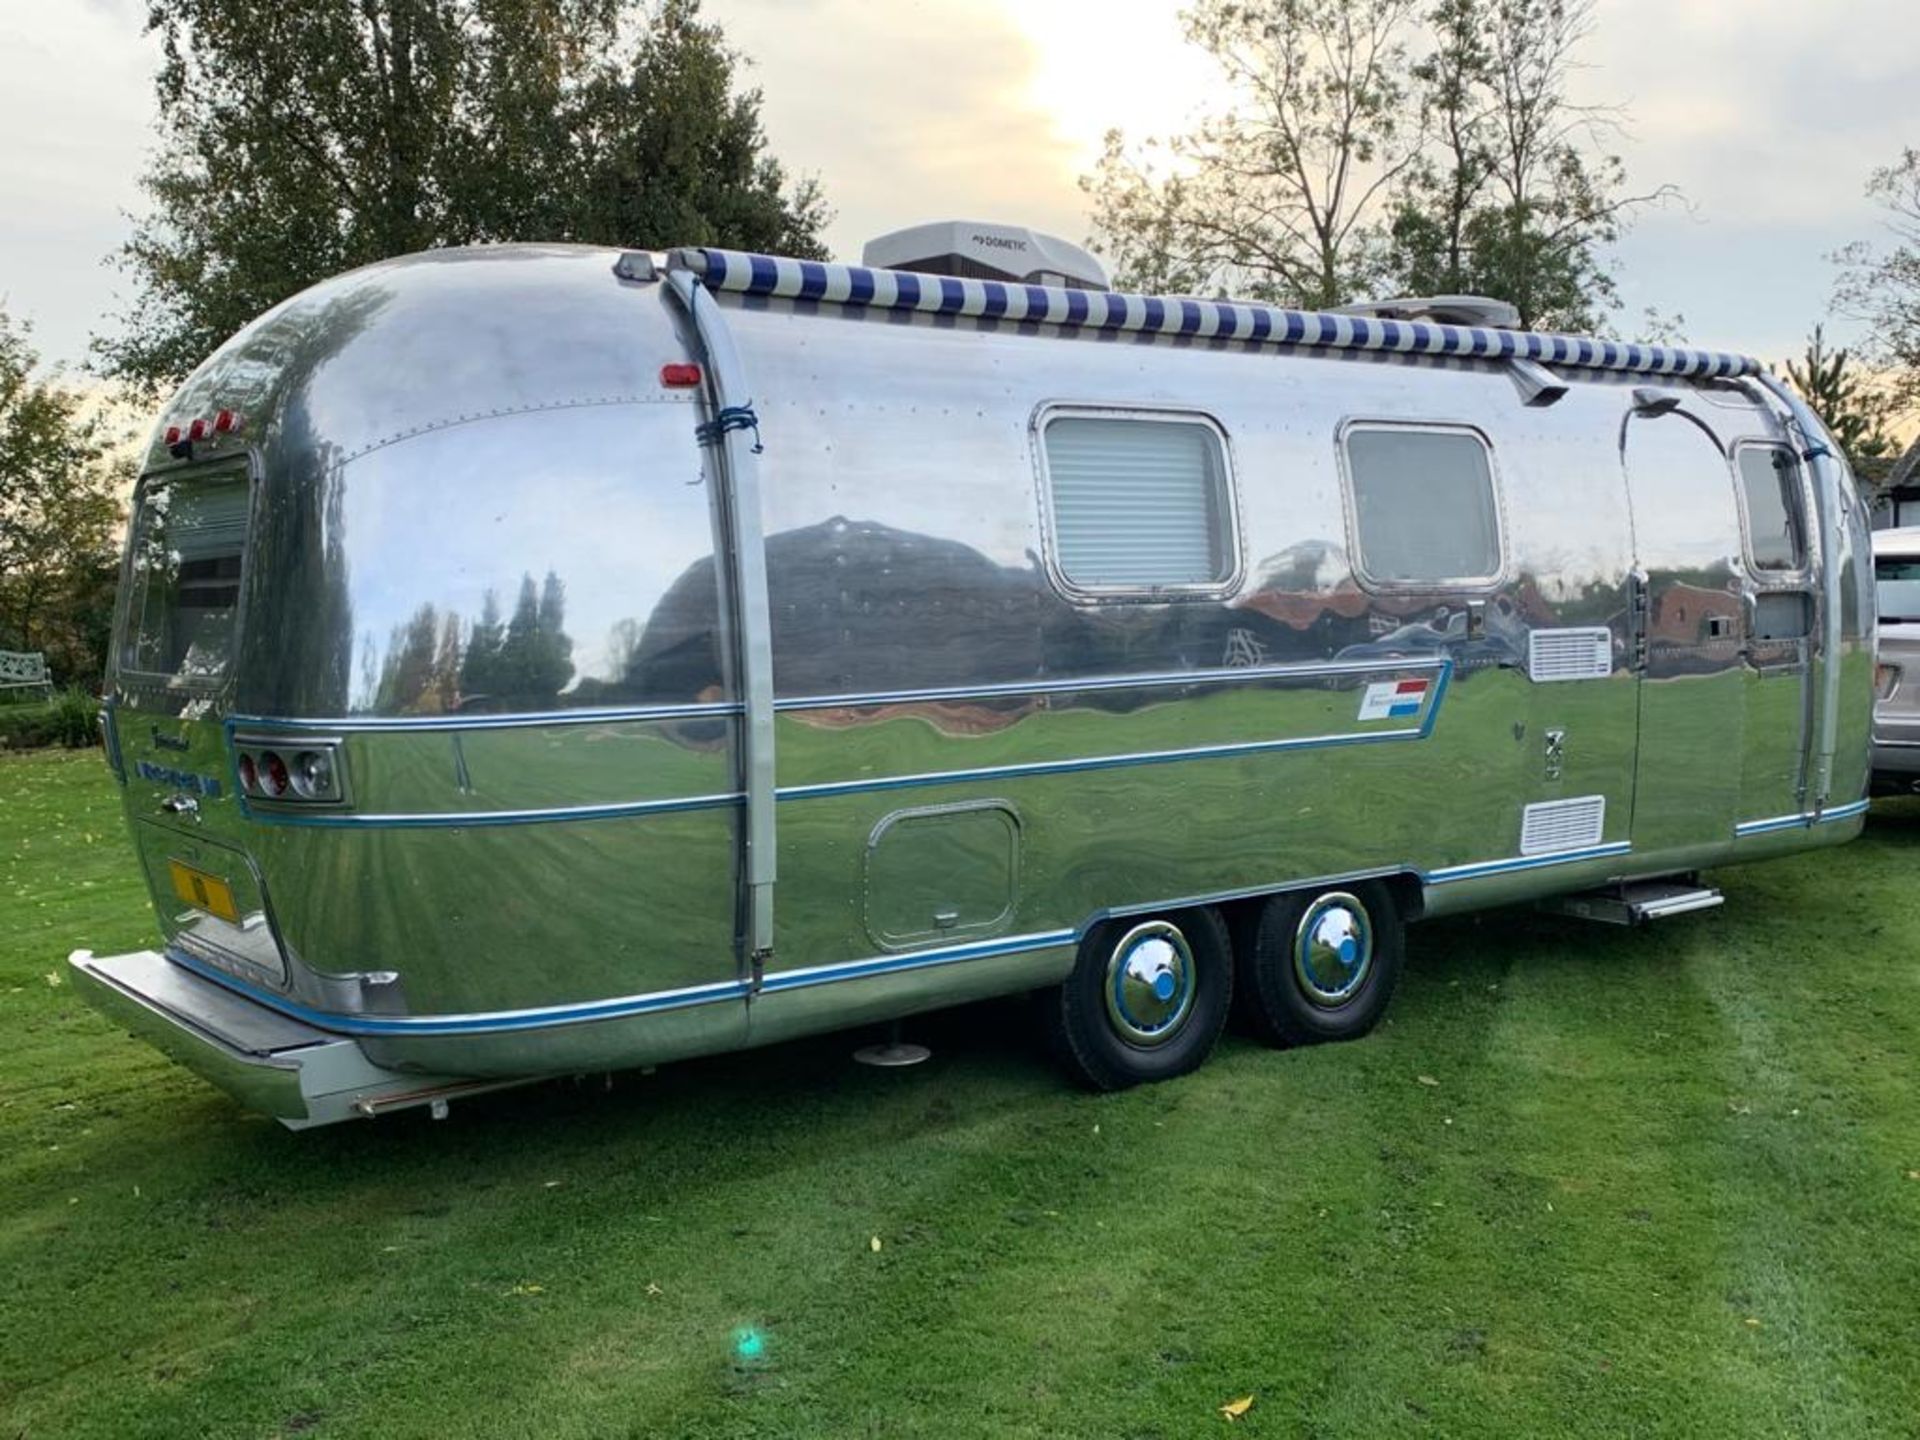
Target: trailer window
{"type": "Point", "coordinates": [1139, 503]}
{"type": "Point", "coordinates": [1776, 523]}
{"type": "Point", "coordinates": [184, 576]}
{"type": "Point", "coordinates": [1424, 508]}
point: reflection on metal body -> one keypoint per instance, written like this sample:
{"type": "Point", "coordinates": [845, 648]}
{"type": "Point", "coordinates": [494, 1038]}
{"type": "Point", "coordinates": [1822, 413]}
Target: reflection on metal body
{"type": "Point", "coordinates": [492, 562]}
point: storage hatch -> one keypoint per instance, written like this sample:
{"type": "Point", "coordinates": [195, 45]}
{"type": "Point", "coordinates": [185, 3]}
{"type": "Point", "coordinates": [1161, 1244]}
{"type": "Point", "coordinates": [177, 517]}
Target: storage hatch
{"type": "Point", "coordinates": [941, 873]}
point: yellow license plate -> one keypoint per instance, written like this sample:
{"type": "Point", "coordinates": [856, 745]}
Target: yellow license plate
{"type": "Point", "coordinates": [204, 892]}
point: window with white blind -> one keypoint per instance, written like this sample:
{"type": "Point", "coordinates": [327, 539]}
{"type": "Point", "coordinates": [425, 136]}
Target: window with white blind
{"type": "Point", "coordinates": [1140, 503]}
{"type": "Point", "coordinates": [1424, 508]}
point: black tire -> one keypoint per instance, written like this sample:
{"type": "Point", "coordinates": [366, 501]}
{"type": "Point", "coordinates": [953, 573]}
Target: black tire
{"type": "Point", "coordinates": [1113, 1025]}
{"type": "Point", "coordinates": [1284, 1000]}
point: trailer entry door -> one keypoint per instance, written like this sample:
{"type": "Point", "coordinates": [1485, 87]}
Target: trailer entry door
{"type": "Point", "coordinates": [1689, 633]}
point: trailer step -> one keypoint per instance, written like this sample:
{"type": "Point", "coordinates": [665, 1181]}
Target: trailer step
{"type": "Point", "coordinates": [1637, 901]}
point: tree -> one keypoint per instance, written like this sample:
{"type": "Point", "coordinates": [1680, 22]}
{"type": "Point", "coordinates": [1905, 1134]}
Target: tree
{"type": "Point", "coordinates": [1853, 409]}
{"type": "Point", "coordinates": [480, 671]}
{"type": "Point", "coordinates": [1446, 187]}
{"type": "Point", "coordinates": [1281, 196]}
{"type": "Point", "coordinates": [1467, 169]}
{"type": "Point", "coordinates": [58, 513]}
{"type": "Point", "coordinates": [300, 138]}
{"type": "Point", "coordinates": [407, 670]}
{"type": "Point", "coordinates": [1513, 198]}
{"type": "Point", "coordinates": [1881, 285]}
{"type": "Point", "coordinates": [535, 659]}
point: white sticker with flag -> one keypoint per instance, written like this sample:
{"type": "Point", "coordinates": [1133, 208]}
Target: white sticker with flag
{"type": "Point", "coordinates": [1394, 699]}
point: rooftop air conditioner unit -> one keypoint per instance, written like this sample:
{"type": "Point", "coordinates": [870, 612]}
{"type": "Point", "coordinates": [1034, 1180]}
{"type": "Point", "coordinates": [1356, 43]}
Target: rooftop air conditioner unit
{"type": "Point", "coordinates": [987, 252]}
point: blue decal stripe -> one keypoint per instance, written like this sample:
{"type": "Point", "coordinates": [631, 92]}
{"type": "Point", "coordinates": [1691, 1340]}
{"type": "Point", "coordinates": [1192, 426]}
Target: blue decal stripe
{"type": "Point", "coordinates": [1803, 820]}
{"type": "Point", "coordinates": [1154, 680]}
{"type": "Point", "coordinates": [1100, 762]}
{"type": "Point", "coordinates": [372, 724]}
{"type": "Point", "coordinates": [516, 720]}
{"type": "Point", "coordinates": [463, 819]}
{"type": "Point", "coordinates": [1438, 694]}
{"type": "Point", "coordinates": [1454, 873]}
{"type": "Point", "coordinates": [466, 1024]}
{"type": "Point", "coordinates": [624, 1006]}
{"type": "Point", "coordinates": [779, 980]}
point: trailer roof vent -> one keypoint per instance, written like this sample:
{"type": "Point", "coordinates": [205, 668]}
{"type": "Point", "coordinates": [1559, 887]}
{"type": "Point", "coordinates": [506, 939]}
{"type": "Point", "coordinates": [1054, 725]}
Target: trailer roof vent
{"type": "Point", "coordinates": [1441, 309]}
{"type": "Point", "coordinates": [980, 251]}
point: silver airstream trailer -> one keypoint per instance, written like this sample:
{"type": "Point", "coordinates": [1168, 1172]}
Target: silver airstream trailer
{"type": "Point", "coordinates": [539, 660]}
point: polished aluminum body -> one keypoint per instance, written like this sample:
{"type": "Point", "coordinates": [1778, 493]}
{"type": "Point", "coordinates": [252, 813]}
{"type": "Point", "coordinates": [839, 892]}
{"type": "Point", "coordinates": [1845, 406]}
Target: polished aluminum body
{"type": "Point", "coordinates": [829, 739]}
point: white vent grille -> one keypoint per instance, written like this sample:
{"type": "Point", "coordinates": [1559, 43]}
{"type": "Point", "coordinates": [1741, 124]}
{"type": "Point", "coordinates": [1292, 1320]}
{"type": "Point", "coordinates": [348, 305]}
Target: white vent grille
{"type": "Point", "coordinates": [1570, 654]}
{"type": "Point", "coordinates": [1555, 825]}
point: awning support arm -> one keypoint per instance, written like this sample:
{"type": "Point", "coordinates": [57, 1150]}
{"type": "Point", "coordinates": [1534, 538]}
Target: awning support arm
{"type": "Point", "coordinates": [737, 444]}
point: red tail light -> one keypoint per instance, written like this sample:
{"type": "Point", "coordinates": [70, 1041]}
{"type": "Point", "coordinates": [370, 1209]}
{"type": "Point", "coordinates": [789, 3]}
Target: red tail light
{"type": "Point", "coordinates": [249, 773]}
{"type": "Point", "coordinates": [226, 423]}
{"type": "Point", "coordinates": [276, 773]}
{"type": "Point", "coordinates": [679, 376]}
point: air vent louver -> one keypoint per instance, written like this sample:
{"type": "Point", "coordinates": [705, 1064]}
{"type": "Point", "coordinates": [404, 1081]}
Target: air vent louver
{"type": "Point", "coordinates": [1556, 825]}
{"type": "Point", "coordinates": [1570, 654]}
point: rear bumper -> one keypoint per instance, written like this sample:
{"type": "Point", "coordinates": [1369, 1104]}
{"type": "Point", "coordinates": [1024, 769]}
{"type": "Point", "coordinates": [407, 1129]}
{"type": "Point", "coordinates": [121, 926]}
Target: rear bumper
{"type": "Point", "coordinates": [267, 1061]}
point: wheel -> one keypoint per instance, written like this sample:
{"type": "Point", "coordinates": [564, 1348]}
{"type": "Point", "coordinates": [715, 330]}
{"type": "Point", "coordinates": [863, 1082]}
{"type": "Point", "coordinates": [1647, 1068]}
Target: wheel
{"type": "Point", "coordinates": [1147, 999]}
{"type": "Point", "coordinates": [1322, 964]}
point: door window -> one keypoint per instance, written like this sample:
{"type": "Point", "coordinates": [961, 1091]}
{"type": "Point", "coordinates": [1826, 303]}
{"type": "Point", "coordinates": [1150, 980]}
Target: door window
{"type": "Point", "coordinates": [1776, 515]}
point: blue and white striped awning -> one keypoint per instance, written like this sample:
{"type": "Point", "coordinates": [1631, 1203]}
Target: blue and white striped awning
{"type": "Point", "coordinates": [778, 277]}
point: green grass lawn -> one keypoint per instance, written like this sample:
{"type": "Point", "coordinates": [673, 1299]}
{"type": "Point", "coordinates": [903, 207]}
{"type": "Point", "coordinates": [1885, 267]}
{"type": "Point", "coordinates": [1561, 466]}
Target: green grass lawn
{"type": "Point", "coordinates": [1583, 1182]}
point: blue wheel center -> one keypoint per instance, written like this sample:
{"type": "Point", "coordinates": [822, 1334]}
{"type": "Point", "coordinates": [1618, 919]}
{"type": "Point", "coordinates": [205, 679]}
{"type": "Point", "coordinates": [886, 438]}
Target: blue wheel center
{"type": "Point", "coordinates": [1150, 984]}
{"type": "Point", "coordinates": [1333, 950]}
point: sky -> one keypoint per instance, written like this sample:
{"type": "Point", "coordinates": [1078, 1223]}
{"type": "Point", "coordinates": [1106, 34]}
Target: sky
{"type": "Point", "coordinates": [1768, 115]}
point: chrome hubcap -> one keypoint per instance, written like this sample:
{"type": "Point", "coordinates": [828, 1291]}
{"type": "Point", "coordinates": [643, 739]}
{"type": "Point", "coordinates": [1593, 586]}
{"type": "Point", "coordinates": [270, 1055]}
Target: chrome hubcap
{"type": "Point", "coordinates": [1150, 983]}
{"type": "Point", "coordinates": [1333, 950]}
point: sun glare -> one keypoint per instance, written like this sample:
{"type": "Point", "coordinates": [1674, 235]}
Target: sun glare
{"type": "Point", "coordinates": [1098, 64]}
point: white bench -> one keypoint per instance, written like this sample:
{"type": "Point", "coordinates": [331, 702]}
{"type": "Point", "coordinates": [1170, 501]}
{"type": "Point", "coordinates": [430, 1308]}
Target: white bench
{"type": "Point", "coordinates": [24, 670]}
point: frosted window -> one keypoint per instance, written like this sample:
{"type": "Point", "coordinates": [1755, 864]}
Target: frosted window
{"type": "Point", "coordinates": [1423, 506]}
{"type": "Point", "coordinates": [1138, 504]}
